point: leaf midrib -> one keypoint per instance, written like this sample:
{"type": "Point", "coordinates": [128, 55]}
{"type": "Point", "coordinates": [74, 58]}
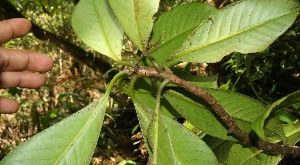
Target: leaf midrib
{"type": "Point", "coordinates": [98, 104]}
{"type": "Point", "coordinates": [140, 42]}
{"type": "Point", "coordinates": [114, 56]}
{"type": "Point", "coordinates": [179, 55]}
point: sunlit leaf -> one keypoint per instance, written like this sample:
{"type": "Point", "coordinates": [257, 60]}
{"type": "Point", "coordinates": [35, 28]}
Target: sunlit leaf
{"type": "Point", "coordinates": [240, 155]}
{"type": "Point", "coordinates": [96, 25]}
{"type": "Point", "coordinates": [172, 28]}
{"type": "Point", "coordinates": [259, 123]}
{"type": "Point", "coordinates": [71, 141]}
{"type": "Point", "coordinates": [135, 16]}
{"type": "Point", "coordinates": [245, 26]}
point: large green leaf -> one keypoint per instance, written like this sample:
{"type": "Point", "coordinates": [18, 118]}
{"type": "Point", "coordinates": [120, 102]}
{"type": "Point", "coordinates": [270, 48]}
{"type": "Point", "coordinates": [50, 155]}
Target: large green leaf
{"type": "Point", "coordinates": [176, 142]}
{"type": "Point", "coordinates": [258, 125]}
{"type": "Point", "coordinates": [197, 112]}
{"type": "Point", "coordinates": [244, 112]}
{"type": "Point", "coordinates": [178, 145]}
{"type": "Point", "coordinates": [135, 16]}
{"type": "Point", "coordinates": [172, 28]}
{"type": "Point", "coordinates": [71, 141]}
{"type": "Point", "coordinates": [240, 155]}
{"type": "Point", "coordinates": [246, 26]}
{"type": "Point", "coordinates": [96, 25]}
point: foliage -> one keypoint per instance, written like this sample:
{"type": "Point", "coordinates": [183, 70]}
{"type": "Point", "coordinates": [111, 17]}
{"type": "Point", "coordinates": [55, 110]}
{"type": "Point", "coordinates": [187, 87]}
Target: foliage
{"type": "Point", "coordinates": [203, 35]}
{"type": "Point", "coordinates": [270, 74]}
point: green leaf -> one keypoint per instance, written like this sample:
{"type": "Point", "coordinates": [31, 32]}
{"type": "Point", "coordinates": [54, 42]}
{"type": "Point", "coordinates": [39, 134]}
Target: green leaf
{"type": "Point", "coordinates": [96, 25]}
{"type": "Point", "coordinates": [220, 147]}
{"type": "Point", "coordinates": [177, 142]}
{"type": "Point", "coordinates": [172, 28]}
{"type": "Point", "coordinates": [178, 145]}
{"type": "Point", "coordinates": [144, 94]}
{"type": "Point", "coordinates": [71, 141]}
{"type": "Point", "coordinates": [144, 115]}
{"type": "Point", "coordinates": [240, 155]}
{"type": "Point", "coordinates": [259, 123]}
{"type": "Point", "coordinates": [244, 112]}
{"type": "Point", "coordinates": [201, 81]}
{"type": "Point", "coordinates": [197, 112]}
{"type": "Point", "coordinates": [246, 26]}
{"type": "Point", "coordinates": [292, 132]}
{"type": "Point", "coordinates": [135, 16]}
{"type": "Point", "coordinates": [285, 117]}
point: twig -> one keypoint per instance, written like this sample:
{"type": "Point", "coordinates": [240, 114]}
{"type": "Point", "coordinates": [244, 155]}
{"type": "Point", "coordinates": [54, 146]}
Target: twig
{"type": "Point", "coordinates": [219, 110]}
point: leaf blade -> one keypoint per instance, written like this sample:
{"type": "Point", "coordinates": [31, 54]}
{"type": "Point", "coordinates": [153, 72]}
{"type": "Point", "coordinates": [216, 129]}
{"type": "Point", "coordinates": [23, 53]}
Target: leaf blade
{"type": "Point", "coordinates": [246, 26]}
{"type": "Point", "coordinates": [178, 145]}
{"type": "Point", "coordinates": [96, 25]}
{"type": "Point", "coordinates": [172, 28]}
{"type": "Point", "coordinates": [259, 123]}
{"type": "Point", "coordinates": [239, 155]}
{"type": "Point", "coordinates": [135, 16]}
{"type": "Point", "coordinates": [59, 144]}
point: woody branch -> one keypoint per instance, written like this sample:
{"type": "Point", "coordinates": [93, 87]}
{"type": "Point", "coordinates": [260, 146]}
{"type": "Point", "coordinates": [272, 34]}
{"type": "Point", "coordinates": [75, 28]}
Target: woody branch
{"type": "Point", "coordinates": [233, 128]}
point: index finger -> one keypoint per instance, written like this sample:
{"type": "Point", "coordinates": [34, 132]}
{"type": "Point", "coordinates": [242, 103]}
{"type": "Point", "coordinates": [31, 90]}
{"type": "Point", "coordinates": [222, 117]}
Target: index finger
{"type": "Point", "coordinates": [13, 28]}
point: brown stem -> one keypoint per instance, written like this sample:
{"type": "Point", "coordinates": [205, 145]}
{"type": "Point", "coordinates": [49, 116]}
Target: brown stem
{"type": "Point", "coordinates": [219, 110]}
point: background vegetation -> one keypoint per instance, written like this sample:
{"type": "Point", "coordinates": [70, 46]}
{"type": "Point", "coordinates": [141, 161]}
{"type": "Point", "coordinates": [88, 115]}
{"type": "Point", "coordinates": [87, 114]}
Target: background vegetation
{"type": "Point", "coordinates": [80, 75]}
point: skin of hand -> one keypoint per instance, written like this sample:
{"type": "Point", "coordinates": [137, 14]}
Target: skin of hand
{"type": "Point", "coordinates": [15, 65]}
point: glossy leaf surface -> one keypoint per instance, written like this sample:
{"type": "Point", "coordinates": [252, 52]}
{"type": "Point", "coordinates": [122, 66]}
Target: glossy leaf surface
{"type": "Point", "coordinates": [135, 16]}
{"type": "Point", "coordinates": [96, 25]}
{"type": "Point", "coordinates": [245, 26]}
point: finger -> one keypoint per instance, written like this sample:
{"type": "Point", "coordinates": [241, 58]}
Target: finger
{"type": "Point", "coordinates": [17, 60]}
{"type": "Point", "coordinates": [21, 79]}
{"type": "Point", "coordinates": [13, 28]}
{"type": "Point", "coordinates": [8, 106]}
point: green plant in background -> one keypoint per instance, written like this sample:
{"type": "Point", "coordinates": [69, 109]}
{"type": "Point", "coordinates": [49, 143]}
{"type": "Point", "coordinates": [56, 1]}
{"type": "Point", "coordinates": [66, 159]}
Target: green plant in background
{"type": "Point", "coordinates": [235, 129]}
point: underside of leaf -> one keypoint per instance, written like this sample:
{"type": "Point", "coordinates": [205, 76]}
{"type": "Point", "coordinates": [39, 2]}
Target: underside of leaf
{"type": "Point", "coordinates": [135, 16]}
{"type": "Point", "coordinates": [96, 25]}
{"type": "Point", "coordinates": [71, 141]}
{"type": "Point", "coordinates": [246, 26]}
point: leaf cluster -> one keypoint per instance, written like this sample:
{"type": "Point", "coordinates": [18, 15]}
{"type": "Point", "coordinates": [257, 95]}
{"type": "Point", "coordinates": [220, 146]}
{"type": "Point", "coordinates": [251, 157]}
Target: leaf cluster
{"type": "Point", "coordinates": [194, 33]}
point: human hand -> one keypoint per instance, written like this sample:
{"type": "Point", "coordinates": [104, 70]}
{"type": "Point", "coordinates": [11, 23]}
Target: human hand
{"type": "Point", "coordinates": [15, 64]}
